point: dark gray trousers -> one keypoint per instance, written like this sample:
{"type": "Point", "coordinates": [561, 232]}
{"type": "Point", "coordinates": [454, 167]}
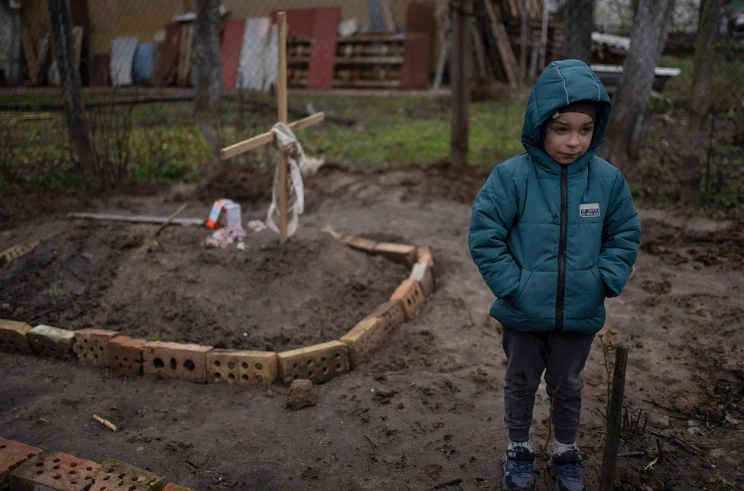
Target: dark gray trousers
{"type": "Point", "coordinates": [564, 355]}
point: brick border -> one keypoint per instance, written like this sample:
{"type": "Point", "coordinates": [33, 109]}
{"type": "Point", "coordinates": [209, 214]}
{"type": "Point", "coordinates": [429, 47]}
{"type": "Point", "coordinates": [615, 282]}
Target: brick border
{"type": "Point", "coordinates": [203, 364]}
{"type": "Point", "coordinates": [26, 467]}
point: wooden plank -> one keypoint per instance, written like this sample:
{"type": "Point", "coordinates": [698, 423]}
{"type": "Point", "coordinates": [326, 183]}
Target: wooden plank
{"type": "Point", "coordinates": [281, 20]}
{"type": "Point", "coordinates": [32, 58]}
{"type": "Point", "coordinates": [370, 60]}
{"type": "Point", "coordinates": [368, 84]}
{"type": "Point", "coordinates": [171, 49]}
{"type": "Point", "coordinates": [323, 55]}
{"type": "Point", "coordinates": [232, 43]}
{"type": "Point", "coordinates": [268, 137]}
{"type": "Point", "coordinates": [419, 45]}
{"type": "Point", "coordinates": [508, 59]}
{"type": "Point", "coordinates": [137, 218]}
{"type": "Point", "coordinates": [184, 56]}
{"type": "Point", "coordinates": [387, 16]}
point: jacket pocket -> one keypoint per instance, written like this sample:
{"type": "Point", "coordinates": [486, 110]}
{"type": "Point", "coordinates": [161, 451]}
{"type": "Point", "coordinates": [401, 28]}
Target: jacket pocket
{"type": "Point", "coordinates": [537, 299]}
{"type": "Point", "coordinates": [524, 280]}
{"type": "Point", "coordinates": [585, 294]}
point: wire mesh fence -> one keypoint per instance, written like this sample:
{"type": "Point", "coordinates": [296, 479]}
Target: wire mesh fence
{"type": "Point", "coordinates": [139, 65]}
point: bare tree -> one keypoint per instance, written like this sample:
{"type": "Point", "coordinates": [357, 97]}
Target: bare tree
{"type": "Point", "coordinates": [702, 77]}
{"type": "Point", "coordinates": [207, 57]}
{"type": "Point", "coordinates": [579, 15]}
{"type": "Point", "coordinates": [59, 11]}
{"type": "Point", "coordinates": [650, 29]}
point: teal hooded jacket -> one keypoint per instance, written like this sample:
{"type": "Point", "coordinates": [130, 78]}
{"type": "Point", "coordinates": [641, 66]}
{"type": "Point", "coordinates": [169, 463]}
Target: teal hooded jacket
{"type": "Point", "coordinates": [552, 241]}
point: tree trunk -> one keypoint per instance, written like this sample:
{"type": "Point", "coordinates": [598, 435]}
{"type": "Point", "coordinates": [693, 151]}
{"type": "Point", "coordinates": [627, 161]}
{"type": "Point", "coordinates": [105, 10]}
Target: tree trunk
{"type": "Point", "coordinates": [59, 11]}
{"type": "Point", "coordinates": [523, 45]}
{"type": "Point", "coordinates": [460, 76]}
{"type": "Point", "coordinates": [207, 57]}
{"type": "Point", "coordinates": [702, 77]}
{"type": "Point", "coordinates": [631, 101]}
{"type": "Point", "coordinates": [579, 15]}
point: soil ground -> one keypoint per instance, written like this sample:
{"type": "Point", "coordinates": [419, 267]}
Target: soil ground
{"type": "Point", "coordinates": [426, 412]}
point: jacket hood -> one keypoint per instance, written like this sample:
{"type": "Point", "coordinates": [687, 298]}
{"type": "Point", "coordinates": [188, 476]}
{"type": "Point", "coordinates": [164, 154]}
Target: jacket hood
{"type": "Point", "coordinates": [561, 84]}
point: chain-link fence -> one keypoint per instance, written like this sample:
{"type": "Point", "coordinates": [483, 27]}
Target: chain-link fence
{"type": "Point", "coordinates": [139, 63]}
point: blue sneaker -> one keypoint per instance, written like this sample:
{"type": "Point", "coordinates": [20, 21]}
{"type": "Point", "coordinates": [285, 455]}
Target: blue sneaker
{"type": "Point", "coordinates": [519, 469]}
{"type": "Point", "coordinates": [567, 471]}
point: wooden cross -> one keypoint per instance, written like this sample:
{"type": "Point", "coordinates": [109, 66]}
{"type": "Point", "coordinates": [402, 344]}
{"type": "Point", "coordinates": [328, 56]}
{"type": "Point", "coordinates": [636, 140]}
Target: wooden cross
{"type": "Point", "coordinates": [266, 138]}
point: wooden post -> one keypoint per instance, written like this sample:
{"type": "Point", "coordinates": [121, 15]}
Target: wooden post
{"type": "Point", "coordinates": [523, 45]}
{"type": "Point", "coordinates": [460, 70]}
{"type": "Point", "coordinates": [281, 20]}
{"type": "Point", "coordinates": [614, 420]}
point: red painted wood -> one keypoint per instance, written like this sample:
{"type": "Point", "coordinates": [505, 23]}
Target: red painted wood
{"type": "Point", "coordinates": [171, 49]}
{"type": "Point", "coordinates": [418, 46]}
{"type": "Point", "coordinates": [323, 56]}
{"type": "Point", "coordinates": [232, 43]}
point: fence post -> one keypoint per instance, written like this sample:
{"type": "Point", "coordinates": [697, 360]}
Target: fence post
{"type": "Point", "coordinates": [460, 73]}
{"type": "Point", "coordinates": [614, 420]}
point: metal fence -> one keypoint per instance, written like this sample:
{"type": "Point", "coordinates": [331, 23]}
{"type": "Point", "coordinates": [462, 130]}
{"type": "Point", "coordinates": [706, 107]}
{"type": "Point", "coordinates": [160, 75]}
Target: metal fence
{"type": "Point", "coordinates": [380, 69]}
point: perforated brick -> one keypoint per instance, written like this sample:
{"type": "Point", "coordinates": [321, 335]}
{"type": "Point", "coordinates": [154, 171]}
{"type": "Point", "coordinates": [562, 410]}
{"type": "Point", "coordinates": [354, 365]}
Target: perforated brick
{"type": "Point", "coordinates": [391, 313]}
{"type": "Point", "coordinates": [365, 338]}
{"type": "Point", "coordinates": [410, 294]}
{"type": "Point", "coordinates": [175, 360]}
{"type": "Point", "coordinates": [241, 367]}
{"type": "Point", "coordinates": [318, 363]}
{"type": "Point", "coordinates": [175, 487]}
{"type": "Point", "coordinates": [118, 476]}
{"type": "Point", "coordinates": [13, 336]}
{"type": "Point", "coordinates": [51, 342]}
{"type": "Point", "coordinates": [12, 455]}
{"type": "Point", "coordinates": [423, 253]}
{"type": "Point", "coordinates": [91, 346]}
{"type": "Point", "coordinates": [125, 355]}
{"type": "Point", "coordinates": [424, 274]}
{"type": "Point", "coordinates": [399, 253]}
{"type": "Point", "coordinates": [55, 472]}
{"type": "Point", "coordinates": [359, 243]}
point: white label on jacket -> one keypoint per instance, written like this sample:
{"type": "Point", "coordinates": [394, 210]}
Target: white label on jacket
{"type": "Point", "coordinates": [589, 210]}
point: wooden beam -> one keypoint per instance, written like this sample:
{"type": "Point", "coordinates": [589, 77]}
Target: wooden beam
{"type": "Point", "coordinates": [508, 59]}
{"type": "Point", "coordinates": [282, 110]}
{"type": "Point", "coordinates": [137, 218]}
{"type": "Point", "coordinates": [268, 137]}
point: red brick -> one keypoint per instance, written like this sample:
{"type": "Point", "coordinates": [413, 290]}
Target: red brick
{"type": "Point", "coordinates": [411, 295]}
{"type": "Point", "coordinates": [241, 367]}
{"type": "Point", "coordinates": [399, 253]}
{"type": "Point", "coordinates": [424, 274]}
{"type": "Point", "coordinates": [12, 455]}
{"type": "Point", "coordinates": [13, 336]}
{"type": "Point", "coordinates": [318, 363]}
{"type": "Point", "coordinates": [91, 346]}
{"type": "Point", "coordinates": [423, 253]}
{"type": "Point", "coordinates": [125, 355]}
{"type": "Point", "coordinates": [175, 360]}
{"type": "Point", "coordinates": [119, 476]}
{"type": "Point", "coordinates": [55, 472]}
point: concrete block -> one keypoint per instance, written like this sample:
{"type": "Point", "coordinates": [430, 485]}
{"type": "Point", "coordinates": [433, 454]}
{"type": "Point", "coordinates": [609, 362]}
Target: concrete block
{"type": "Point", "coordinates": [175, 487]}
{"type": "Point", "coordinates": [359, 243]}
{"type": "Point", "coordinates": [410, 294]}
{"type": "Point", "coordinates": [423, 253]}
{"type": "Point", "coordinates": [125, 355]}
{"type": "Point", "coordinates": [399, 253]}
{"type": "Point", "coordinates": [118, 476]}
{"type": "Point", "coordinates": [318, 363]}
{"type": "Point", "coordinates": [391, 313]}
{"type": "Point", "coordinates": [175, 360]}
{"type": "Point", "coordinates": [91, 346]}
{"type": "Point", "coordinates": [365, 338]}
{"type": "Point", "coordinates": [12, 455]}
{"type": "Point", "coordinates": [241, 367]}
{"type": "Point", "coordinates": [51, 342]}
{"type": "Point", "coordinates": [13, 336]}
{"type": "Point", "coordinates": [424, 274]}
{"type": "Point", "coordinates": [54, 472]}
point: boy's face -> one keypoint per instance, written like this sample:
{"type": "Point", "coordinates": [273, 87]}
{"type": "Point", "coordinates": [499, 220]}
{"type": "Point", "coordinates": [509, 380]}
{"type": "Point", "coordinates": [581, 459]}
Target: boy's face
{"type": "Point", "coordinates": [568, 137]}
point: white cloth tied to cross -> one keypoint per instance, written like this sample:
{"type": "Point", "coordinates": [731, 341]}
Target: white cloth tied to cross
{"type": "Point", "coordinates": [287, 143]}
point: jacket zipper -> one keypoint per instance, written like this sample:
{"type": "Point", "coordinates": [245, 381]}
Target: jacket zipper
{"type": "Point", "coordinates": [560, 299]}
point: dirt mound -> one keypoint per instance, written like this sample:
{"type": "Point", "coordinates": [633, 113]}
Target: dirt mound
{"type": "Point", "coordinates": [268, 297]}
{"type": "Point", "coordinates": [244, 183]}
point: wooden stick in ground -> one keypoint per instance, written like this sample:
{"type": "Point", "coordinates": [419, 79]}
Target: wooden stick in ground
{"type": "Point", "coordinates": [108, 424]}
{"type": "Point", "coordinates": [170, 218]}
{"type": "Point", "coordinates": [281, 20]}
{"type": "Point", "coordinates": [614, 420]}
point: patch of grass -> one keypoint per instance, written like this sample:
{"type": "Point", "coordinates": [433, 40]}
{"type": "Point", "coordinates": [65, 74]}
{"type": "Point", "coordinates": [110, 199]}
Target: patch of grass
{"type": "Point", "coordinates": [56, 291]}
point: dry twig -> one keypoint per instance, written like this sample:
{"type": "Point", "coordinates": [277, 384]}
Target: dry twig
{"type": "Point", "coordinates": [108, 424]}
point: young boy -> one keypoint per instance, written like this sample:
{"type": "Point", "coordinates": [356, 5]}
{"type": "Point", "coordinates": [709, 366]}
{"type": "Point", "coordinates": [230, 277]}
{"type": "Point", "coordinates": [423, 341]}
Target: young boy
{"type": "Point", "coordinates": [554, 232]}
